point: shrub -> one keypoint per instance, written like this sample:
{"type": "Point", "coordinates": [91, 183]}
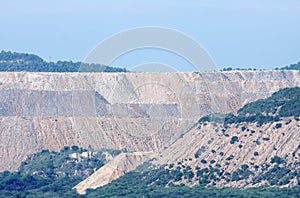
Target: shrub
{"type": "Point", "coordinates": [218, 165]}
{"type": "Point", "coordinates": [234, 139]}
{"type": "Point", "coordinates": [266, 139]}
{"type": "Point", "coordinates": [203, 161]}
{"type": "Point", "coordinates": [245, 166]}
{"type": "Point", "coordinates": [276, 159]}
{"type": "Point", "coordinates": [230, 157]}
{"type": "Point", "coordinates": [200, 151]}
{"type": "Point", "coordinates": [75, 148]}
{"type": "Point", "coordinates": [278, 125]}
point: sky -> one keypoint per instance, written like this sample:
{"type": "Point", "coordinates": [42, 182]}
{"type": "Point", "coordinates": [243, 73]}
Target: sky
{"type": "Point", "coordinates": [257, 34]}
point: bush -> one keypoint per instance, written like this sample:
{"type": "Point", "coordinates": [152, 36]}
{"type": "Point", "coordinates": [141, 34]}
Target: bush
{"type": "Point", "coordinates": [200, 151]}
{"type": "Point", "coordinates": [75, 148]}
{"type": "Point", "coordinates": [278, 125]}
{"type": "Point", "coordinates": [234, 139]}
{"type": "Point", "coordinates": [230, 158]}
{"type": "Point", "coordinates": [276, 159]}
{"type": "Point", "coordinates": [203, 161]}
{"type": "Point", "coordinates": [244, 166]}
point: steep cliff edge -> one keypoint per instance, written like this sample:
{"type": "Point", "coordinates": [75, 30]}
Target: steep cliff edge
{"type": "Point", "coordinates": [137, 111]}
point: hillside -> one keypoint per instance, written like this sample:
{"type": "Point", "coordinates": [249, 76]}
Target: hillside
{"type": "Point", "coordinates": [241, 153]}
{"type": "Point", "coordinates": [243, 150]}
{"type": "Point", "coordinates": [253, 157]}
{"type": "Point", "coordinates": [292, 67]}
{"type": "Point", "coordinates": [16, 62]}
{"type": "Point", "coordinates": [139, 112]}
{"type": "Point", "coordinates": [48, 173]}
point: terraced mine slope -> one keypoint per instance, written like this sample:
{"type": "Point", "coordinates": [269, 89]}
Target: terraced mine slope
{"type": "Point", "coordinates": [141, 112]}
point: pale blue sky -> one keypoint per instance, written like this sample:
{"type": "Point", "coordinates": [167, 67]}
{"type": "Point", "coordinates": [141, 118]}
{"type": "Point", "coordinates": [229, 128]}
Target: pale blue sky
{"type": "Point", "coordinates": [260, 34]}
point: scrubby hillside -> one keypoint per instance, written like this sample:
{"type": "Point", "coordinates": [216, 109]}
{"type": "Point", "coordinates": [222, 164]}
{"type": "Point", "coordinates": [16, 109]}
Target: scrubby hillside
{"type": "Point", "coordinates": [49, 173]}
{"type": "Point", "coordinates": [258, 146]}
{"type": "Point", "coordinates": [226, 150]}
{"type": "Point", "coordinates": [292, 67]}
{"type": "Point", "coordinates": [15, 62]}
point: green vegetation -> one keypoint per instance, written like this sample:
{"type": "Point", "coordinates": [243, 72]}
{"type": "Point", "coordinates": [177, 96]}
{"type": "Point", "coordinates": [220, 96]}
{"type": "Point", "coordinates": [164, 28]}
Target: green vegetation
{"type": "Point", "coordinates": [278, 173]}
{"type": "Point", "coordinates": [116, 189]}
{"type": "Point", "coordinates": [18, 185]}
{"type": "Point", "coordinates": [153, 181]}
{"type": "Point", "coordinates": [13, 62]}
{"type": "Point", "coordinates": [51, 164]}
{"type": "Point", "coordinates": [234, 139]}
{"type": "Point", "coordinates": [237, 69]}
{"type": "Point", "coordinates": [284, 103]}
{"type": "Point", "coordinates": [291, 67]}
{"type": "Point", "coordinates": [203, 161]}
{"type": "Point", "coordinates": [277, 160]}
{"type": "Point", "coordinates": [200, 151]}
{"type": "Point", "coordinates": [266, 138]}
{"type": "Point", "coordinates": [241, 174]}
{"type": "Point", "coordinates": [230, 158]}
{"type": "Point", "coordinates": [52, 174]}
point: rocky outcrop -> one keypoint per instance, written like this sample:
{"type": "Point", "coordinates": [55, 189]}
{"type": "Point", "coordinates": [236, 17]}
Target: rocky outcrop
{"type": "Point", "coordinates": [138, 111]}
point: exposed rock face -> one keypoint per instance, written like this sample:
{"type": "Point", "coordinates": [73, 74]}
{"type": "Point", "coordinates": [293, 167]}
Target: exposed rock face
{"type": "Point", "coordinates": [138, 111]}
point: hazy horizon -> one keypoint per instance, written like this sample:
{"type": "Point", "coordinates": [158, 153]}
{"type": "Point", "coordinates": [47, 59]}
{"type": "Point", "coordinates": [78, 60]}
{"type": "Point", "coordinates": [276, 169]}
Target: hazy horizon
{"type": "Point", "coordinates": [243, 34]}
